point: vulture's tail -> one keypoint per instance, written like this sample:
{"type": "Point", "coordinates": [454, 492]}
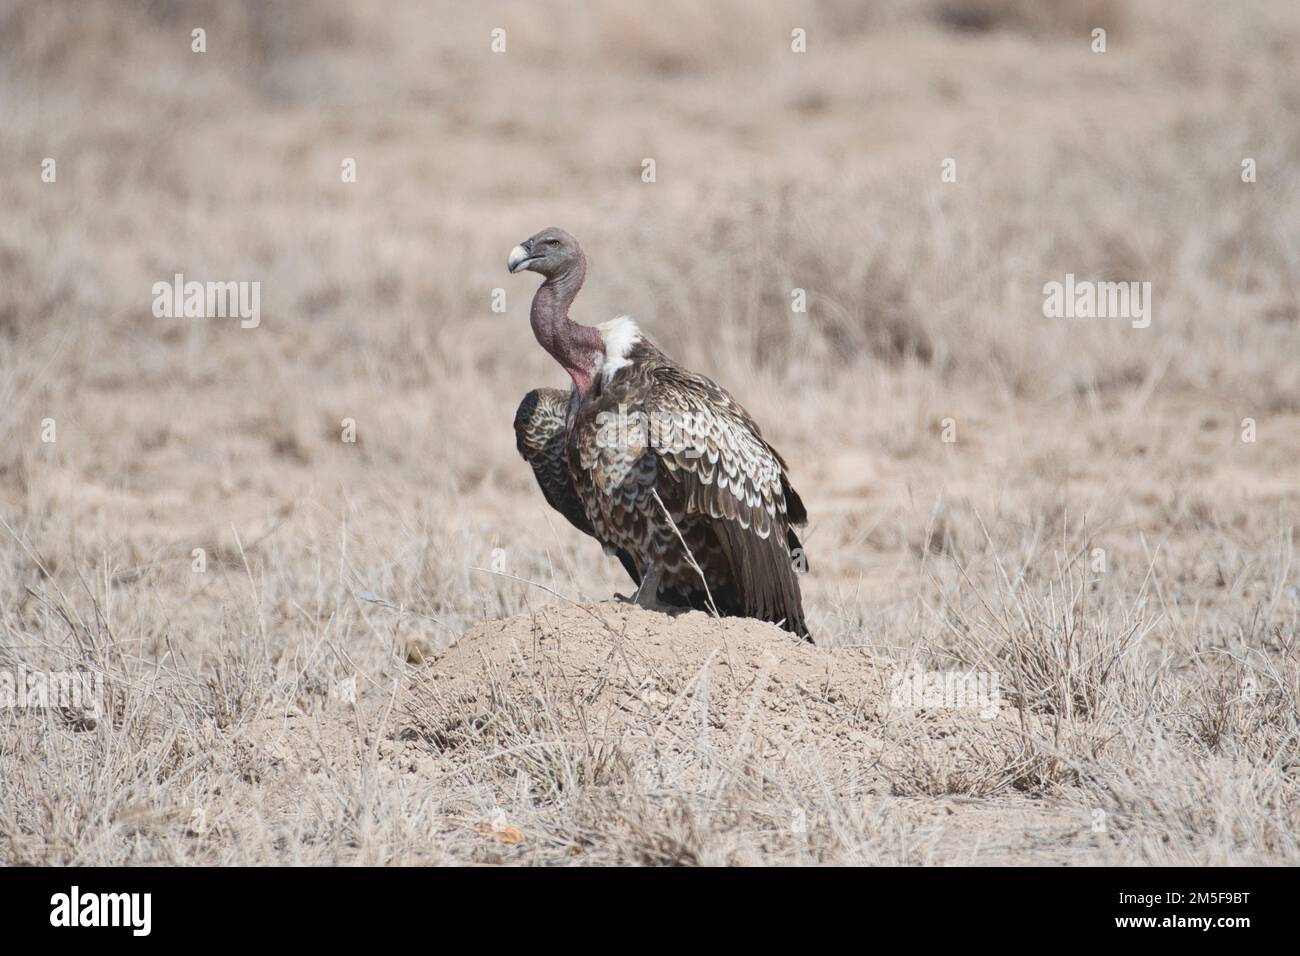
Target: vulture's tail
{"type": "Point", "coordinates": [766, 584]}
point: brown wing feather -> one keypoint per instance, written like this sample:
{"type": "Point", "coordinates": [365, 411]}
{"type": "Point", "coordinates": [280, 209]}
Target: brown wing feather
{"type": "Point", "coordinates": [540, 438]}
{"type": "Point", "coordinates": [716, 463]}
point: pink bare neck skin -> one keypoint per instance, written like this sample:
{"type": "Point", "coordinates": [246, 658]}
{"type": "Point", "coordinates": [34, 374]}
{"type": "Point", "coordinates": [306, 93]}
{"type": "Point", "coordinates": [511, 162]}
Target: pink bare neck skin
{"type": "Point", "coordinates": [573, 345]}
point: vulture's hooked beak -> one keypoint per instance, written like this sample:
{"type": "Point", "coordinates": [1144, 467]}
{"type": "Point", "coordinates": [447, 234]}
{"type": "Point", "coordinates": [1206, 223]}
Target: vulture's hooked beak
{"type": "Point", "coordinates": [519, 257]}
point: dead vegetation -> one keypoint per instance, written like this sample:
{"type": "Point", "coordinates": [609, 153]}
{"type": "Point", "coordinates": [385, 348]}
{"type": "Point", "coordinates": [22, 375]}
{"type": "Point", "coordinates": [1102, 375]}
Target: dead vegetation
{"type": "Point", "coordinates": [1099, 536]}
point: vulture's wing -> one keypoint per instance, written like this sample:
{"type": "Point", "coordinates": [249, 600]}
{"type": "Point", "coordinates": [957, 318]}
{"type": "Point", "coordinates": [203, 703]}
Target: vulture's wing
{"type": "Point", "coordinates": [716, 463]}
{"type": "Point", "coordinates": [540, 438]}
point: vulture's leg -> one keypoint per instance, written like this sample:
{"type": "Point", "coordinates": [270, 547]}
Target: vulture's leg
{"type": "Point", "coordinates": [647, 595]}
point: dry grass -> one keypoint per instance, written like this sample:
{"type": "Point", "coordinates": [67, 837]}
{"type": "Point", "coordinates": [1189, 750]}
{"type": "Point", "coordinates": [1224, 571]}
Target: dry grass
{"type": "Point", "coordinates": [1150, 710]}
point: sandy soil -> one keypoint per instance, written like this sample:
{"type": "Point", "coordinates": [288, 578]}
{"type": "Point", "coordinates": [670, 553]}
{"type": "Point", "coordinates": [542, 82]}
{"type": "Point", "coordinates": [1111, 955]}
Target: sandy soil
{"type": "Point", "coordinates": [637, 701]}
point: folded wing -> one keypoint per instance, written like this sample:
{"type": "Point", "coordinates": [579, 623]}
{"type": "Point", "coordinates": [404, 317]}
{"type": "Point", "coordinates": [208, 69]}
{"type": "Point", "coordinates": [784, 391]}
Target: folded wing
{"type": "Point", "coordinates": [719, 471]}
{"type": "Point", "coordinates": [540, 438]}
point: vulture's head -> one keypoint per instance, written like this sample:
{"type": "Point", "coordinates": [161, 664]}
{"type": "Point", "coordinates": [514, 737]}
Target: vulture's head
{"type": "Point", "coordinates": [550, 253]}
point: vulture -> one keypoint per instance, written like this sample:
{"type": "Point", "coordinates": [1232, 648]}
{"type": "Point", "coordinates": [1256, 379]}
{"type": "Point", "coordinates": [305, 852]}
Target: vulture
{"type": "Point", "coordinates": [659, 464]}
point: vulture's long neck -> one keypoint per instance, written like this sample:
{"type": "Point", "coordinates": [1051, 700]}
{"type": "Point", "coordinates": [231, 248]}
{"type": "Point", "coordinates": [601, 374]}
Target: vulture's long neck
{"type": "Point", "coordinates": [576, 347]}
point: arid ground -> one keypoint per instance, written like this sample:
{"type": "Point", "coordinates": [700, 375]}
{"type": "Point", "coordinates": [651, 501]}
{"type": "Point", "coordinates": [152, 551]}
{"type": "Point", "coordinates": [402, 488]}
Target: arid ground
{"type": "Point", "coordinates": [330, 619]}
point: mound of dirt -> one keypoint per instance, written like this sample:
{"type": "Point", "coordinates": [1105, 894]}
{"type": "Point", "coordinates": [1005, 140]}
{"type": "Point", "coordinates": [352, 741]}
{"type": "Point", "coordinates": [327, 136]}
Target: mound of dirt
{"type": "Point", "coordinates": [614, 671]}
{"type": "Point", "coordinates": [567, 692]}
